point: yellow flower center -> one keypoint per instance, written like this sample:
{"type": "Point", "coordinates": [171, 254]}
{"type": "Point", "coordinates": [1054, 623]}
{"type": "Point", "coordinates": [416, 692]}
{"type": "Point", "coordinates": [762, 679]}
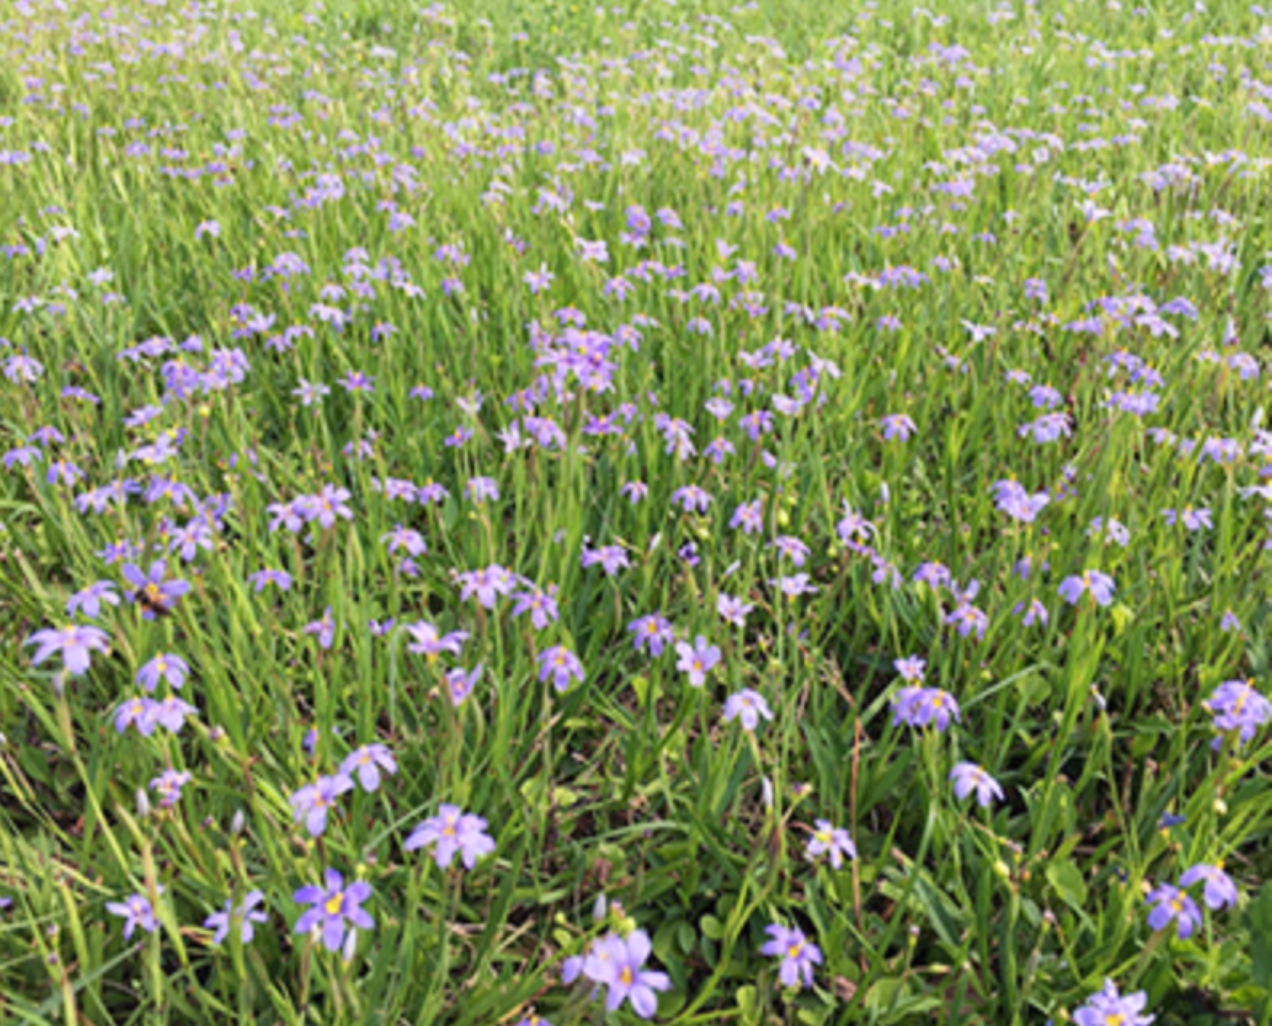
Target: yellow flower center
{"type": "Point", "coordinates": [626, 976]}
{"type": "Point", "coordinates": [333, 904]}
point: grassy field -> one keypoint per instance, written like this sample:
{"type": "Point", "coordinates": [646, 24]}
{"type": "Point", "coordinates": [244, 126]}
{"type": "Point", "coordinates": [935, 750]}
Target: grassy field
{"type": "Point", "coordinates": [750, 514]}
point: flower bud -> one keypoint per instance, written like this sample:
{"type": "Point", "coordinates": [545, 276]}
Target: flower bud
{"type": "Point", "coordinates": [143, 804]}
{"type": "Point", "coordinates": [237, 823]}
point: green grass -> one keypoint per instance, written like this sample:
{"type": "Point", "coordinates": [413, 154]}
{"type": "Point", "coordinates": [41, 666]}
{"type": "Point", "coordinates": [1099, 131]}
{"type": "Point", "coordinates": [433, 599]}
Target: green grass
{"type": "Point", "coordinates": [629, 787]}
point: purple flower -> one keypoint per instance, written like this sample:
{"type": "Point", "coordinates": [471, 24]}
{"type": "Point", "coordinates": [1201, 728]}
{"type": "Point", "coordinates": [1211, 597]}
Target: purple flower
{"type": "Point", "coordinates": [969, 777]}
{"type": "Point", "coordinates": [697, 660]}
{"type": "Point", "coordinates": [1046, 428]}
{"type": "Point", "coordinates": [749, 516]}
{"type": "Point", "coordinates": [335, 909]}
{"type": "Point", "coordinates": [1170, 903]}
{"type": "Point", "coordinates": [1108, 1008]}
{"type": "Point", "coordinates": [1011, 498]}
{"type": "Point", "coordinates": [749, 706]}
{"type": "Point", "coordinates": [89, 601]}
{"type": "Point", "coordinates": [636, 491]}
{"type": "Point", "coordinates": [138, 712]}
{"type": "Point", "coordinates": [795, 585]}
{"type": "Point", "coordinates": [691, 498]}
{"type": "Point", "coordinates": [831, 841]}
{"type": "Point", "coordinates": [244, 915]}
{"type": "Point", "coordinates": [325, 629]}
{"type": "Point", "coordinates": [365, 762]}
{"type": "Point", "coordinates": [329, 503]}
{"type": "Point", "coordinates": [1100, 586]}
{"type": "Point", "coordinates": [653, 631]}
{"type": "Point", "coordinates": [168, 786]}
{"type": "Point", "coordinates": [934, 574]}
{"type": "Point", "coordinates": [482, 489]}
{"type": "Point", "coordinates": [171, 713]}
{"type": "Point", "coordinates": [1220, 889]}
{"type": "Point", "coordinates": [798, 955]}
{"type": "Point", "coordinates": [966, 619]}
{"type": "Point", "coordinates": [312, 802]}
{"type": "Point", "coordinates": [618, 965]}
{"type": "Point", "coordinates": [428, 642]}
{"type": "Point", "coordinates": [487, 584]}
{"type": "Point", "coordinates": [75, 642]}
{"type": "Point", "coordinates": [612, 558]}
{"type": "Point", "coordinates": [404, 538]}
{"type": "Point", "coordinates": [136, 911]}
{"type": "Point", "coordinates": [169, 667]}
{"type": "Point", "coordinates": [1192, 519]}
{"type": "Point", "coordinates": [460, 684]}
{"type": "Point", "coordinates": [920, 706]}
{"type": "Point", "coordinates": [792, 548]}
{"type": "Point", "coordinates": [150, 589]}
{"type": "Point", "coordinates": [1235, 705]}
{"type": "Point", "coordinates": [560, 664]}
{"type": "Point", "coordinates": [911, 668]}
{"type": "Point", "coordinates": [452, 830]}
{"type": "Point", "coordinates": [897, 425]}
{"type": "Point", "coordinates": [1034, 612]}
{"type": "Point", "coordinates": [540, 604]}
{"type": "Point", "coordinates": [733, 610]}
